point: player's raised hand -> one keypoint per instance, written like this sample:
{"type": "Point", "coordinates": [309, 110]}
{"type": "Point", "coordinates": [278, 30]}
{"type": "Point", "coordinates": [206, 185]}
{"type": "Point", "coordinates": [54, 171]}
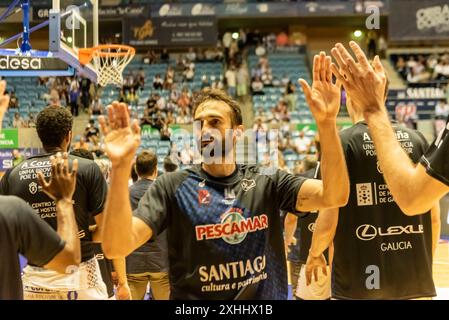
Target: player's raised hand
{"type": "Point", "coordinates": [364, 83]}
{"type": "Point", "coordinates": [4, 101]}
{"type": "Point", "coordinates": [63, 181]}
{"type": "Point", "coordinates": [323, 97]}
{"type": "Point", "coordinates": [121, 138]}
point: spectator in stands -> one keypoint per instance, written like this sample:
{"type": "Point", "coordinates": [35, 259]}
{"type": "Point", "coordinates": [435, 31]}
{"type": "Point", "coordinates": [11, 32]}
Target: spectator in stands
{"type": "Point", "coordinates": [74, 97]}
{"type": "Point", "coordinates": [242, 78]}
{"type": "Point", "coordinates": [31, 120]}
{"type": "Point", "coordinates": [151, 104]}
{"type": "Point", "coordinates": [382, 46]}
{"type": "Point", "coordinates": [158, 121]}
{"type": "Point", "coordinates": [302, 143]}
{"type": "Point", "coordinates": [141, 78]}
{"type": "Point", "coordinates": [282, 39]}
{"type": "Point", "coordinates": [170, 119]}
{"type": "Point", "coordinates": [183, 117]}
{"type": "Point", "coordinates": [187, 154]}
{"type": "Point", "coordinates": [260, 50]}
{"type": "Point", "coordinates": [82, 144]}
{"type": "Point", "coordinates": [205, 82]}
{"type": "Point", "coordinates": [217, 83]}
{"type": "Point", "coordinates": [227, 39]}
{"type": "Point", "coordinates": [169, 78]}
{"type": "Point", "coordinates": [132, 97]}
{"type": "Point", "coordinates": [260, 130]}
{"type": "Point", "coordinates": [13, 101]}
{"type": "Point", "coordinates": [147, 118]}
{"type": "Point", "coordinates": [18, 121]}
{"type": "Point", "coordinates": [191, 55]}
{"type": "Point", "coordinates": [257, 86]}
{"type": "Point", "coordinates": [401, 67]}
{"type": "Point", "coordinates": [174, 93]}
{"type": "Point", "coordinates": [91, 130]}
{"type": "Point", "coordinates": [122, 96]}
{"type": "Point", "coordinates": [128, 82]}
{"type": "Point", "coordinates": [171, 106]}
{"type": "Point", "coordinates": [271, 41]}
{"type": "Point", "coordinates": [85, 97]}
{"type": "Point", "coordinates": [161, 104]}
{"type": "Point", "coordinates": [441, 71]}
{"type": "Point", "coordinates": [267, 78]}
{"type": "Point", "coordinates": [165, 56]}
{"type": "Point", "coordinates": [260, 113]}
{"type": "Point", "coordinates": [158, 83]}
{"type": "Point", "coordinates": [274, 116]}
{"type": "Point", "coordinates": [165, 133]}
{"type": "Point", "coordinates": [290, 96]}
{"type": "Point", "coordinates": [189, 73]}
{"type": "Point", "coordinates": [17, 157]}
{"type": "Point", "coordinates": [169, 165]}
{"type": "Point", "coordinates": [442, 110]}
{"type": "Point", "coordinates": [96, 107]}
{"type": "Point", "coordinates": [184, 101]}
{"type": "Point", "coordinates": [285, 80]}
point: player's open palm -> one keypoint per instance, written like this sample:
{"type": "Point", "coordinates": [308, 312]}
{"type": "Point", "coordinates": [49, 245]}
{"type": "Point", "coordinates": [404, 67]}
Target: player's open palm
{"type": "Point", "coordinates": [364, 82]}
{"type": "Point", "coordinates": [4, 101]}
{"type": "Point", "coordinates": [313, 265]}
{"type": "Point", "coordinates": [121, 139]}
{"type": "Point", "coordinates": [63, 180]}
{"type": "Point", "coordinates": [323, 97]}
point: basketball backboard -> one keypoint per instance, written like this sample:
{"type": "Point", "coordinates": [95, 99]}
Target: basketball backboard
{"type": "Point", "coordinates": [73, 25]}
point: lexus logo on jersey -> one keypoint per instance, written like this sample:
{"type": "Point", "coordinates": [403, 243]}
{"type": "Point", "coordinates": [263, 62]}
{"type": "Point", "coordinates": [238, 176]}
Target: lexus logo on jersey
{"type": "Point", "coordinates": [203, 197]}
{"type": "Point", "coordinates": [33, 187]}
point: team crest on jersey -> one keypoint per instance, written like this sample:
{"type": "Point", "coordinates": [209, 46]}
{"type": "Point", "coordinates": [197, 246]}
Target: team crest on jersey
{"type": "Point", "coordinates": [33, 188]}
{"type": "Point", "coordinates": [248, 184]}
{"type": "Point", "coordinates": [233, 227]}
{"type": "Point", "coordinates": [203, 197]}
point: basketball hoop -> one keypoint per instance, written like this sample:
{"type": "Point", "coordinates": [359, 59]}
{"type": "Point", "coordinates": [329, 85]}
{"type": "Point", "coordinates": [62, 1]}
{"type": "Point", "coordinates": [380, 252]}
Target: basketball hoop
{"type": "Point", "coordinates": [109, 61]}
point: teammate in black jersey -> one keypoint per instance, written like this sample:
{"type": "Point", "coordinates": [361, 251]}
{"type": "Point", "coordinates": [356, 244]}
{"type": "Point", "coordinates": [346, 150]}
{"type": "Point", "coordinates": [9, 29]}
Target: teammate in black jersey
{"type": "Point", "coordinates": [54, 128]}
{"type": "Point", "coordinates": [297, 256]}
{"type": "Point", "coordinates": [415, 187]}
{"type": "Point", "coordinates": [224, 230]}
{"type": "Point", "coordinates": [22, 231]}
{"type": "Point", "coordinates": [379, 253]}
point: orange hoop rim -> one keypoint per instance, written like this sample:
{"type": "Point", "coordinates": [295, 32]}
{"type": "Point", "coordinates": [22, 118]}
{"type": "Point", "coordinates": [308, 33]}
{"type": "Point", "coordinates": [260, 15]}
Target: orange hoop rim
{"type": "Point", "coordinates": [85, 55]}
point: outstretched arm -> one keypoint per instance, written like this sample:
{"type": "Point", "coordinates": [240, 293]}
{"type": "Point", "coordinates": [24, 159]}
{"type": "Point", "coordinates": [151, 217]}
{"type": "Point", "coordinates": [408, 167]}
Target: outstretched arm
{"type": "Point", "coordinates": [412, 188]}
{"type": "Point", "coordinates": [323, 99]}
{"type": "Point", "coordinates": [122, 233]}
{"type": "Point", "coordinates": [325, 228]}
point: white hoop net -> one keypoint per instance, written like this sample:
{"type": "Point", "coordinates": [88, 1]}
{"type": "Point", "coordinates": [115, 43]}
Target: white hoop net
{"type": "Point", "coordinates": [109, 63]}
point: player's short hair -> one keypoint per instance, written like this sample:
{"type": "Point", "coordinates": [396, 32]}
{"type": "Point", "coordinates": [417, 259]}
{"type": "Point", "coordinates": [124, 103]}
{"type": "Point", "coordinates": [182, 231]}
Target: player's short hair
{"type": "Point", "coordinates": [169, 165]}
{"type": "Point", "coordinates": [209, 94]}
{"type": "Point", "coordinates": [146, 163]}
{"type": "Point", "coordinates": [309, 163]}
{"type": "Point", "coordinates": [53, 124]}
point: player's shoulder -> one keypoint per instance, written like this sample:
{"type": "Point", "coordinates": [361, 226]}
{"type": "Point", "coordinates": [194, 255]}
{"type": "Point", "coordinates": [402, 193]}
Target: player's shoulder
{"type": "Point", "coordinates": [403, 132]}
{"type": "Point", "coordinates": [12, 205]}
{"type": "Point", "coordinates": [358, 129]}
{"type": "Point", "coordinates": [176, 177]}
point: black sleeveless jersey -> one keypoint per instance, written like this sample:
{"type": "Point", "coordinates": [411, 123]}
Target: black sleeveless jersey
{"type": "Point", "coordinates": [436, 159]}
{"type": "Point", "coordinates": [380, 253]}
